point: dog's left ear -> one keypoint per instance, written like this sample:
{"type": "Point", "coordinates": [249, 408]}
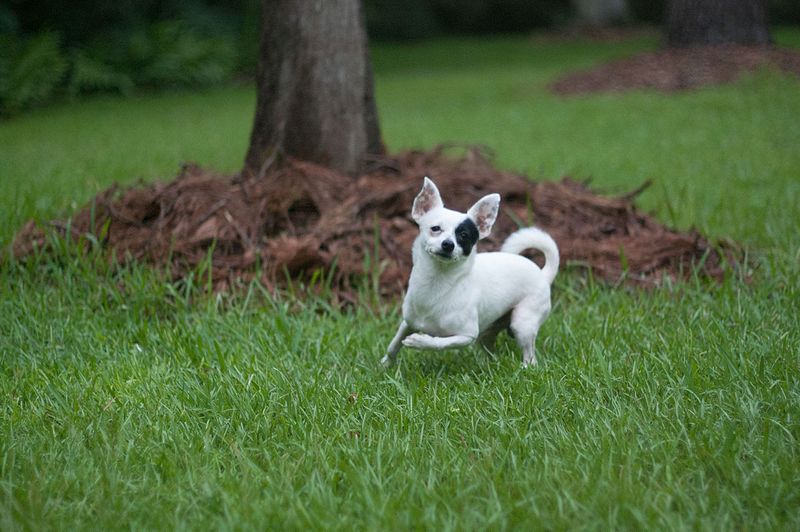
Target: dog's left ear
{"type": "Point", "coordinates": [484, 213]}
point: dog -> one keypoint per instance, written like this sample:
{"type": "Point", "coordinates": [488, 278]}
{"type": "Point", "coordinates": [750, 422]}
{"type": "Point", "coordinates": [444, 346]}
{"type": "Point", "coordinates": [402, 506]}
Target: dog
{"type": "Point", "coordinates": [457, 296]}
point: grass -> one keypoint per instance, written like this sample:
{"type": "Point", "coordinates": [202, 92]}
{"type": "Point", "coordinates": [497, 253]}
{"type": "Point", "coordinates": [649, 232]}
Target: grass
{"type": "Point", "coordinates": [129, 402]}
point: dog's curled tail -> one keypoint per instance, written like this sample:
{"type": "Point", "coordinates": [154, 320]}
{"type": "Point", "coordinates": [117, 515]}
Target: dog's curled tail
{"type": "Point", "coordinates": [533, 237]}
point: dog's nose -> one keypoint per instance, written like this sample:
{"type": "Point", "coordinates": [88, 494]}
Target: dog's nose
{"type": "Point", "coordinates": [448, 246]}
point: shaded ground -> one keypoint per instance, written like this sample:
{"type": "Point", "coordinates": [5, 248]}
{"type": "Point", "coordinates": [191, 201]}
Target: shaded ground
{"type": "Point", "coordinates": [678, 69]}
{"type": "Point", "coordinates": [302, 217]}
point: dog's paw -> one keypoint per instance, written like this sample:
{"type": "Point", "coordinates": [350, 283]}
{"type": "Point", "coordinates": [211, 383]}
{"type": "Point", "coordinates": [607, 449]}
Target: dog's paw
{"type": "Point", "coordinates": [418, 341]}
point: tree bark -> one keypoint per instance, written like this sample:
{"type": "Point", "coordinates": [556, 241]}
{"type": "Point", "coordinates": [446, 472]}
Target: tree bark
{"type": "Point", "coordinates": [315, 98]}
{"type": "Point", "coordinates": [700, 22]}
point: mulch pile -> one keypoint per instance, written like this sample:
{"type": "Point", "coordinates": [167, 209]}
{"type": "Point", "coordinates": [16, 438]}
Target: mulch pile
{"type": "Point", "coordinates": [302, 217]}
{"type": "Point", "coordinates": [673, 70]}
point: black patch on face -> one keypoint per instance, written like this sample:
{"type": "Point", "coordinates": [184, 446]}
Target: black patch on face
{"type": "Point", "coordinates": [467, 235]}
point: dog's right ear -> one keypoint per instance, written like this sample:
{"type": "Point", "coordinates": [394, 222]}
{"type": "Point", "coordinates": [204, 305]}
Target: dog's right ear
{"type": "Point", "coordinates": [427, 200]}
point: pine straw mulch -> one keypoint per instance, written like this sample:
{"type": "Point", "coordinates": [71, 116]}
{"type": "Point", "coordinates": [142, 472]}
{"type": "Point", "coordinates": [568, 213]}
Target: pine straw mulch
{"type": "Point", "coordinates": [302, 217]}
{"type": "Point", "coordinates": [671, 70]}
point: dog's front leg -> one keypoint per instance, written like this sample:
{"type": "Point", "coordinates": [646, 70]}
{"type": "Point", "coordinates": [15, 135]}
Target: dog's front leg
{"type": "Point", "coordinates": [396, 343]}
{"type": "Point", "coordinates": [425, 341]}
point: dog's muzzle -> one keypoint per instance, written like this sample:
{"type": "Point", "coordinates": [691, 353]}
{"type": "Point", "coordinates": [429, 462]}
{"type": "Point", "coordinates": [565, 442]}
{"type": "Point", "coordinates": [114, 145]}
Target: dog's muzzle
{"type": "Point", "coordinates": [445, 251]}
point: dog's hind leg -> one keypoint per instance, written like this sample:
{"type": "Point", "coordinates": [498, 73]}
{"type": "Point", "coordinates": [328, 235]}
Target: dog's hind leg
{"type": "Point", "coordinates": [526, 318]}
{"type": "Point", "coordinates": [395, 345]}
{"type": "Point", "coordinates": [488, 338]}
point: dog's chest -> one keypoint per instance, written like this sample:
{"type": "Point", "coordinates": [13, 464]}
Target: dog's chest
{"type": "Point", "coordinates": [440, 314]}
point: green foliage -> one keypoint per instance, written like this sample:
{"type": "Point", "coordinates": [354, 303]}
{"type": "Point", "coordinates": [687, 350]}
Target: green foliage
{"type": "Point", "coordinates": [170, 53]}
{"type": "Point", "coordinates": [784, 12]}
{"type": "Point", "coordinates": [31, 70]}
{"type": "Point", "coordinates": [247, 38]}
{"type": "Point", "coordinates": [165, 54]}
{"type": "Point", "coordinates": [648, 11]}
{"type": "Point", "coordinates": [8, 21]}
{"type": "Point", "coordinates": [89, 75]}
{"type": "Point", "coordinates": [781, 12]}
{"type": "Point", "coordinates": [392, 20]}
{"type": "Point", "coordinates": [499, 16]}
{"type": "Point", "coordinates": [116, 47]}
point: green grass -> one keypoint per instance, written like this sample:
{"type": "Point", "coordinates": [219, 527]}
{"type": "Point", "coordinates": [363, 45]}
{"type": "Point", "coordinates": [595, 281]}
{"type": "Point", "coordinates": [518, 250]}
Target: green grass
{"type": "Point", "coordinates": [129, 402]}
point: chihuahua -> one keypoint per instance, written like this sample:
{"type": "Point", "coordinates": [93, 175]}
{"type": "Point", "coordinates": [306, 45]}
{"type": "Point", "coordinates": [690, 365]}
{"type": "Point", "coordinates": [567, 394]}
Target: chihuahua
{"type": "Point", "coordinates": [457, 296]}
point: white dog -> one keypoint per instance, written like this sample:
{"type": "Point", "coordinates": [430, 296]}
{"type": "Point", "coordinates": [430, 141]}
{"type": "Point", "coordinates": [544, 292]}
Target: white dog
{"type": "Point", "coordinates": [456, 295]}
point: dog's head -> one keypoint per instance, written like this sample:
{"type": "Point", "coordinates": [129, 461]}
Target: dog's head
{"type": "Point", "coordinates": [450, 236]}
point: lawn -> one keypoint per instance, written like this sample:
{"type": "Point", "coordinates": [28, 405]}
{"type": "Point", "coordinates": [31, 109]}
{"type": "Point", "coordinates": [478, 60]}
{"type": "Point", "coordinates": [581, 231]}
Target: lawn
{"type": "Point", "coordinates": [129, 402]}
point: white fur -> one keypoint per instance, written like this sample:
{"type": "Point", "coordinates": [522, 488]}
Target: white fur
{"type": "Point", "coordinates": [453, 299]}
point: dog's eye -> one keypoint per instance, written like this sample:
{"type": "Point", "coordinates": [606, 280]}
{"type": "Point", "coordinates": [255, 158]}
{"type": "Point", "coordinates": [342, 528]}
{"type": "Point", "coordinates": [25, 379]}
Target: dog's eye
{"type": "Point", "coordinates": [436, 229]}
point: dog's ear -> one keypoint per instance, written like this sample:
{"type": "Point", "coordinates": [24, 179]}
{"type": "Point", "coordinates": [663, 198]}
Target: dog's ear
{"type": "Point", "coordinates": [427, 200]}
{"type": "Point", "coordinates": [484, 213]}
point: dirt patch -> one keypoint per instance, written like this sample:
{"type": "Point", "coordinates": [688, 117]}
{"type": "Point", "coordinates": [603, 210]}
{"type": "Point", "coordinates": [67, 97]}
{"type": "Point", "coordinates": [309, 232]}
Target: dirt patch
{"type": "Point", "coordinates": [303, 217]}
{"type": "Point", "coordinates": [673, 70]}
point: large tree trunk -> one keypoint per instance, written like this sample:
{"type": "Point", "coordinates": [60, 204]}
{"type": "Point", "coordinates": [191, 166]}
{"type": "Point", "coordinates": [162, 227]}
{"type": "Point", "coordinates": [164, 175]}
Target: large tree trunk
{"type": "Point", "coordinates": [315, 96]}
{"type": "Point", "coordinates": [698, 22]}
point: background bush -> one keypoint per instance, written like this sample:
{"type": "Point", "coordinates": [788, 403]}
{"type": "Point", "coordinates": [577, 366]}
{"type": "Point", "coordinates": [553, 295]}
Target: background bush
{"type": "Point", "coordinates": [50, 48]}
{"type": "Point", "coordinates": [499, 16]}
{"type": "Point", "coordinates": [31, 69]}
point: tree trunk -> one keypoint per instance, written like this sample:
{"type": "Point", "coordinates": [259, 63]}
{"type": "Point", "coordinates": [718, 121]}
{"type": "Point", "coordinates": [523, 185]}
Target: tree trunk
{"type": "Point", "coordinates": [699, 22]}
{"type": "Point", "coordinates": [315, 97]}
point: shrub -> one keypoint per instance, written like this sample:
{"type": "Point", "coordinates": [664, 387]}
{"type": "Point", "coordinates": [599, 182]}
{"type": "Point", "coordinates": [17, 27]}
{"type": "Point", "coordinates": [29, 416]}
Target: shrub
{"type": "Point", "coordinates": [499, 16]}
{"type": "Point", "coordinates": [30, 70]}
{"type": "Point", "coordinates": [88, 75]}
{"type": "Point", "coordinates": [784, 11]}
{"type": "Point", "coordinates": [391, 20]}
{"type": "Point", "coordinates": [170, 53]}
{"type": "Point", "coordinates": [165, 54]}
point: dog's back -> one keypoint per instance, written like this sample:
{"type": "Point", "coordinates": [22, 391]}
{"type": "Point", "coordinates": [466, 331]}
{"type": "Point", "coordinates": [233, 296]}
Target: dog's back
{"type": "Point", "coordinates": [513, 278]}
